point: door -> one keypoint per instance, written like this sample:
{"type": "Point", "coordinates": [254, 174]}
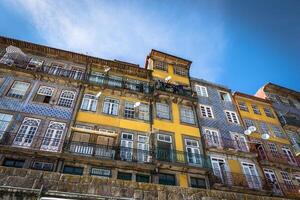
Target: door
{"type": "Point", "coordinates": [126, 146]}
{"type": "Point", "coordinates": [221, 171]}
{"type": "Point", "coordinates": [272, 180]}
{"type": "Point", "coordinates": [289, 156]}
{"type": "Point", "coordinates": [251, 176]}
{"type": "Point", "coordinates": [26, 132]}
{"type": "Point", "coordinates": [193, 152]}
{"type": "Point", "coordinates": [164, 147]}
{"type": "Point", "coordinates": [143, 149]}
{"type": "Point", "coordinates": [53, 136]}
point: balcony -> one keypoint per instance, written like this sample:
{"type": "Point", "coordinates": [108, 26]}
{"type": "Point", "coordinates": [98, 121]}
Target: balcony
{"type": "Point", "coordinates": [289, 121]}
{"type": "Point", "coordinates": [225, 143]}
{"type": "Point", "coordinates": [230, 179]}
{"type": "Point", "coordinates": [32, 142]}
{"type": "Point", "coordinates": [290, 190]}
{"type": "Point", "coordinates": [122, 84]}
{"type": "Point", "coordinates": [276, 157]}
{"type": "Point", "coordinates": [171, 88]}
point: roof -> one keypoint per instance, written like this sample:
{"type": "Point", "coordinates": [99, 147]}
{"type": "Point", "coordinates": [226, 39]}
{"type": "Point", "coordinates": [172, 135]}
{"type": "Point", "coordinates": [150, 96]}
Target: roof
{"type": "Point", "coordinates": [282, 89]}
{"type": "Point", "coordinates": [251, 97]}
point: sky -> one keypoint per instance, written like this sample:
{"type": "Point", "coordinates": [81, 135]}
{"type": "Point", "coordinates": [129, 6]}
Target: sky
{"type": "Point", "coordinates": [242, 44]}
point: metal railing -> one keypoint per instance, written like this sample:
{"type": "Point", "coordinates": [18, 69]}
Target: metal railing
{"type": "Point", "coordinates": [136, 155]}
{"type": "Point", "coordinates": [230, 179]}
{"type": "Point", "coordinates": [225, 143]}
{"type": "Point", "coordinates": [32, 142]}
{"type": "Point", "coordinates": [175, 89]}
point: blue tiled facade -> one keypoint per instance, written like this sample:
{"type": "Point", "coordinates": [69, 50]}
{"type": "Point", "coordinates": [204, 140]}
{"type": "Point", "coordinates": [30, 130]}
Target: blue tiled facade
{"type": "Point", "coordinates": [218, 106]}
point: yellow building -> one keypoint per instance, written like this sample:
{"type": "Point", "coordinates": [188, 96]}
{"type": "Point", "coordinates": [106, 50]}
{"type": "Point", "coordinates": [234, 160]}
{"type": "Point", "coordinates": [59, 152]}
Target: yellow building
{"type": "Point", "coordinates": [270, 141]}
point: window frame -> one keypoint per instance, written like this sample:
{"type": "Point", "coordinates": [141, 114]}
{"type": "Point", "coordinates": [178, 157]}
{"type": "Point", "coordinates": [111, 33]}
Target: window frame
{"type": "Point", "coordinates": [243, 107]}
{"type": "Point", "coordinates": [14, 95]}
{"type": "Point", "coordinates": [201, 90]}
{"type": "Point", "coordinates": [232, 115]}
{"type": "Point", "coordinates": [268, 112]}
{"type": "Point", "coordinates": [160, 114]}
{"type": "Point", "coordinates": [92, 102]}
{"type": "Point", "coordinates": [112, 104]}
{"type": "Point", "coordinates": [255, 109]}
{"type": "Point", "coordinates": [66, 102]}
{"type": "Point", "coordinates": [190, 117]}
{"type": "Point", "coordinates": [205, 107]}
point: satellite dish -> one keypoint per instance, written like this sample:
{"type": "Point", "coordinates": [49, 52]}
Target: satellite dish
{"type": "Point", "coordinates": [168, 78]}
{"type": "Point", "coordinates": [247, 132]}
{"type": "Point", "coordinates": [137, 104]}
{"type": "Point", "coordinates": [98, 94]}
{"type": "Point", "coordinates": [265, 136]}
{"type": "Point", "coordinates": [252, 128]}
{"type": "Point", "coordinates": [106, 68]}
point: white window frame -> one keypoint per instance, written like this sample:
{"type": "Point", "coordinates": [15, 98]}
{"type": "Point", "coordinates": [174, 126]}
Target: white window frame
{"type": "Point", "coordinates": [89, 103]}
{"type": "Point", "coordinates": [45, 91]}
{"type": "Point", "coordinates": [53, 136]}
{"type": "Point", "coordinates": [144, 112]}
{"type": "Point", "coordinates": [126, 145]}
{"type": "Point", "coordinates": [112, 105]}
{"type": "Point", "coordinates": [66, 101]}
{"type": "Point", "coordinates": [161, 113]}
{"type": "Point", "coordinates": [221, 93]}
{"type": "Point", "coordinates": [232, 117]}
{"type": "Point", "coordinates": [238, 143]}
{"type": "Point", "coordinates": [193, 151]}
{"type": "Point", "coordinates": [201, 90]}
{"type": "Point", "coordinates": [26, 132]}
{"type": "Point", "coordinates": [143, 148]}
{"type": "Point", "coordinates": [286, 178]}
{"type": "Point", "coordinates": [129, 110]}
{"type": "Point", "coordinates": [252, 183]}
{"type": "Point", "coordinates": [17, 92]}
{"type": "Point", "coordinates": [165, 136]}
{"type": "Point", "coordinates": [187, 114]}
{"type": "Point", "coordinates": [206, 111]}
{"type": "Point", "coordinates": [104, 172]}
{"type": "Point", "coordinates": [213, 137]}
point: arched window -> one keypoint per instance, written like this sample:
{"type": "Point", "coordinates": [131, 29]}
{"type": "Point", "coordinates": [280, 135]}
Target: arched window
{"type": "Point", "coordinates": [66, 98]}
{"type": "Point", "coordinates": [27, 131]}
{"type": "Point", "coordinates": [53, 136]}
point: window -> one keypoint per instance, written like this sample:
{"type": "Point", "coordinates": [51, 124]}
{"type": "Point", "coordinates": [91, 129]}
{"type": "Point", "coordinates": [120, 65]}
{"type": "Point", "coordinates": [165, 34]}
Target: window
{"type": "Point", "coordinates": [142, 178]}
{"type": "Point", "coordinates": [95, 171]}
{"type": "Point", "coordinates": [269, 113]}
{"type": "Point", "coordinates": [143, 148]}
{"type": "Point", "coordinates": [264, 128]}
{"type": "Point", "coordinates": [126, 146]}
{"type": "Point", "coordinates": [251, 175]}
{"type": "Point", "coordinates": [297, 177]}
{"type": "Point", "coordinates": [206, 111]}
{"type": "Point", "coordinates": [249, 122]}
{"type": "Point", "coordinates": [277, 131]}
{"type": "Point", "coordinates": [243, 106]}
{"type": "Point", "coordinates": [18, 89]}
{"type": "Point", "coordinates": [220, 170]}
{"type": "Point", "coordinates": [144, 112]}
{"type": "Point", "coordinates": [163, 111]}
{"type": "Point", "coordinates": [212, 137]}
{"type": "Point", "coordinates": [255, 109]}
{"type": "Point", "coordinates": [56, 69]}
{"type": "Point", "coordinates": [124, 176]}
{"type": "Point", "coordinates": [89, 102]}
{"type": "Point", "coordinates": [273, 149]}
{"type": "Point", "coordinates": [180, 71]}
{"type": "Point", "coordinates": [111, 106]}
{"type": "Point", "coordinates": [76, 74]}
{"type": "Point", "coordinates": [286, 179]}
{"type": "Point", "coordinates": [164, 138]}
{"type": "Point", "coordinates": [225, 96]}
{"type": "Point", "coordinates": [187, 114]}
{"type": "Point", "coordinates": [198, 182]}
{"type": "Point", "coordinates": [232, 117]}
{"type": "Point", "coordinates": [73, 170]}
{"type": "Point", "coordinates": [5, 120]}
{"type": "Point", "coordinates": [160, 65]}
{"type": "Point", "coordinates": [164, 148]}
{"type": "Point", "coordinates": [44, 94]}
{"type": "Point", "coordinates": [129, 111]}
{"type": "Point", "coordinates": [26, 132]}
{"type": "Point", "coordinates": [193, 151]}
{"type": "Point", "coordinates": [42, 166]}
{"type": "Point", "coordinates": [66, 98]}
{"type": "Point", "coordinates": [240, 142]}
{"type": "Point", "coordinates": [97, 77]}
{"type": "Point", "coordinates": [167, 179]}
{"type": "Point", "coordinates": [201, 90]}
{"type": "Point", "coordinates": [13, 163]}
{"type": "Point", "coordinates": [35, 63]}
{"type": "Point", "coordinates": [289, 155]}
{"type": "Point", "coordinates": [115, 81]}
{"type": "Point", "coordinates": [52, 140]}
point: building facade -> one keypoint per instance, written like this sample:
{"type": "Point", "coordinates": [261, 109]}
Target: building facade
{"type": "Point", "coordinates": [222, 130]}
{"type": "Point", "coordinates": [271, 143]}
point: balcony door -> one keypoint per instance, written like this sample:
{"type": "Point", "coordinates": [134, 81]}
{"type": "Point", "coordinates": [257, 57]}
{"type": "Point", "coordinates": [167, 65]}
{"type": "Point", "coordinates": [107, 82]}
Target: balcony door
{"type": "Point", "coordinates": [193, 152]}
{"type": "Point", "coordinates": [272, 180]}
{"type": "Point", "coordinates": [220, 169]}
{"type": "Point", "coordinates": [26, 132]}
{"type": "Point", "coordinates": [164, 147]}
{"type": "Point", "coordinates": [126, 146]}
{"type": "Point", "coordinates": [53, 136]}
{"type": "Point", "coordinates": [251, 175]}
{"type": "Point", "coordinates": [289, 155]}
{"type": "Point", "coordinates": [212, 138]}
{"type": "Point", "coordinates": [143, 148]}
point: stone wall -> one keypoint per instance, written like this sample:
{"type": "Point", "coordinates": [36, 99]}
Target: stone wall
{"type": "Point", "coordinates": [26, 184]}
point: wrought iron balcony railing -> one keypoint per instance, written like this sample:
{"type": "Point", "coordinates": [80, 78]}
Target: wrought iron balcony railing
{"type": "Point", "coordinates": [136, 155]}
{"type": "Point", "coordinates": [289, 190]}
{"type": "Point", "coordinates": [225, 143]}
{"type": "Point", "coordinates": [175, 89]}
{"type": "Point", "coordinates": [230, 179]}
{"type": "Point", "coordinates": [33, 142]}
{"type": "Point", "coordinates": [289, 121]}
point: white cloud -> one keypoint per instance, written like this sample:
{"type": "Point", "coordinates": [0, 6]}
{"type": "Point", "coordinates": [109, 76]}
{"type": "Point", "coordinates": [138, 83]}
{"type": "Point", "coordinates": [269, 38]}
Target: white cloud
{"type": "Point", "coordinates": [123, 30]}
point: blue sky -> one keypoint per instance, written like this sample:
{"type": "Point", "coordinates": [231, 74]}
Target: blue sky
{"type": "Point", "coordinates": [242, 44]}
